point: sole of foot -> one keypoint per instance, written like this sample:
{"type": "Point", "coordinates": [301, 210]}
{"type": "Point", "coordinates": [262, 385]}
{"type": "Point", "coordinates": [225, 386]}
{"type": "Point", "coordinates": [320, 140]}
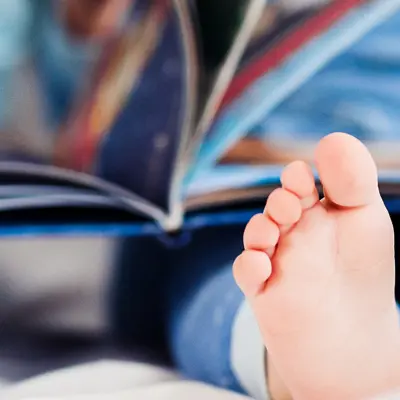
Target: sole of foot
{"type": "Point", "coordinates": [320, 276]}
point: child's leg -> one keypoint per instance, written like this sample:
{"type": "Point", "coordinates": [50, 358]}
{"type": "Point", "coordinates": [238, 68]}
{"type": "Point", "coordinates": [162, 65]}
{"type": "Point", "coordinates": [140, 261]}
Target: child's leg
{"type": "Point", "coordinates": [212, 332]}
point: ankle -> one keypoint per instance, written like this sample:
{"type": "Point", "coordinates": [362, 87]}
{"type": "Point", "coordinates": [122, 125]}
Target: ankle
{"type": "Point", "coordinates": [276, 387]}
{"type": "Point", "coordinates": [379, 376]}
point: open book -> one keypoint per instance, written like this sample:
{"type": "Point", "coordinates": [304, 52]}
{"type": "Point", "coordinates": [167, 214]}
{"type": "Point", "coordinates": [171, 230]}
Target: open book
{"type": "Point", "coordinates": [156, 137]}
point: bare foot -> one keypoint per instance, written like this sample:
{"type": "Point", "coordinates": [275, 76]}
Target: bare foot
{"type": "Point", "coordinates": [320, 277]}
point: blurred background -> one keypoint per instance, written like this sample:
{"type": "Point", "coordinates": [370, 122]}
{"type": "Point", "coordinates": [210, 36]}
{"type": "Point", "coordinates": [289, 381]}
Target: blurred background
{"type": "Point", "coordinates": [66, 70]}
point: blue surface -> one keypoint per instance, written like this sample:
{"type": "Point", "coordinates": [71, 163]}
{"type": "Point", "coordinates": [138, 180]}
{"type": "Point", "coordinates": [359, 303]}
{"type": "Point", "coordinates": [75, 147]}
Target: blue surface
{"type": "Point", "coordinates": [123, 229]}
{"type": "Point", "coordinates": [192, 223]}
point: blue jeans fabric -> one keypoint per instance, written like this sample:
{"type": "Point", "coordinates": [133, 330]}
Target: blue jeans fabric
{"type": "Point", "coordinates": [203, 300]}
{"type": "Point", "coordinates": [182, 300]}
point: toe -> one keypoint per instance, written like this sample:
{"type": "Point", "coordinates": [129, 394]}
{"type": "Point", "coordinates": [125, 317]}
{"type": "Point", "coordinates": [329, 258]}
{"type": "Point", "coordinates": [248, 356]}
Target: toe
{"type": "Point", "coordinates": [347, 171]}
{"type": "Point", "coordinates": [283, 207]}
{"type": "Point", "coordinates": [298, 178]}
{"type": "Point", "coordinates": [251, 271]}
{"type": "Point", "coordinates": [261, 233]}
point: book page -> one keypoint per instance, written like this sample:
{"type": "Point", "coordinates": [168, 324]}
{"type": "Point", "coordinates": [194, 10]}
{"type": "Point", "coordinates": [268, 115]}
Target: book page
{"type": "Point", "coordinates": [67, 73]}
{"type": "Point", "coordinates": [231, 44]}
{"type": "Point", "coordinates": [285, 69]}
{"type": "Point", "coordinates": [263, 26]}
{"type": "Point", "coordinates": [131, 129]}
{"type": "Point", "coordinates": [226, 27]}
{"type": "Point", "coordinates": [268, 45]}
{"type": "Point", "coordinates": [254, 151]}
{"type": "Point", "coordinates": [355, 93]}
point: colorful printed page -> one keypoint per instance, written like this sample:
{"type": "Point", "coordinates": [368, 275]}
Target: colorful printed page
{"type": "Point", "coordinates": [225, 29]}
{"type": "Point", "coordinates": [268, 82]}
{"type": "Point", "coordinates": [103, 96]}
{"type": "Point", "coordinates": [140, 110]}
{"type": "Point", "coordinates": [131, 111]}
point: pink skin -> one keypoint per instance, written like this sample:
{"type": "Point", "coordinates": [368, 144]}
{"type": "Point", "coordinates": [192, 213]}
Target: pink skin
{"type": "Point", "coordinates": [320, 277]}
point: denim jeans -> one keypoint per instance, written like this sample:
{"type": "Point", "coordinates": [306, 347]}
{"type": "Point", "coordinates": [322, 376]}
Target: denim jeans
{"type": "Point", "coordinates": [186, 299]}
{"type": "Point", "coordinates": [203, 301]}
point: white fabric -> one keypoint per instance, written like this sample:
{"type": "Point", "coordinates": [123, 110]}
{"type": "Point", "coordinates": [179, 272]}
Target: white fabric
{"type": "Point", "coordinates": [248, 353]}
{"type": "Point", "coordinates": [110, 380]}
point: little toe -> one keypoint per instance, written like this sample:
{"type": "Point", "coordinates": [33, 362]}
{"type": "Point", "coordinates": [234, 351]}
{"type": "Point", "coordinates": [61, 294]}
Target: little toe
{"type": "Point", "coordinates": [283, 207]}
{"type": "Point", "coordinates": [347, 171]}
{"type": "Point", "coordinates": [251, 271]}
{"type": "Point", "coordinates": [261, 233]}
{"type": "Point", "coordinates": [298, 178]}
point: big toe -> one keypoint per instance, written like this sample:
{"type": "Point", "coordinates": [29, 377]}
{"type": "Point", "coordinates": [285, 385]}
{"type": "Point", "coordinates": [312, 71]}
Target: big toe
{"type": "Point", "coordinates": [346, 170]}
